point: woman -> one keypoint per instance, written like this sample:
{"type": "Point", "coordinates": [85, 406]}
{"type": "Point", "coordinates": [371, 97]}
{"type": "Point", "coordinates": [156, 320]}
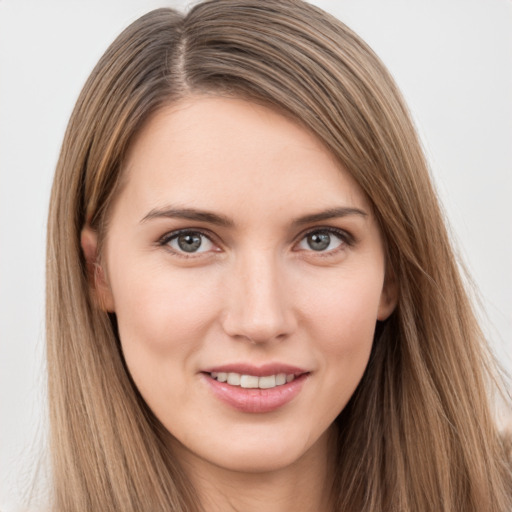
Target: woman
{"type": "Point", "coordinates": [252, 299]}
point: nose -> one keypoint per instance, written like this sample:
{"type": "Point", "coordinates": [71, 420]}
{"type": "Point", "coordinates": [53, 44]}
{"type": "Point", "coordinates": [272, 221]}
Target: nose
{"type": "Point", "coordinates": [259, 304]}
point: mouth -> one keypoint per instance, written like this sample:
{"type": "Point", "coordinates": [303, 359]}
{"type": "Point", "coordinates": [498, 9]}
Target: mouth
{"type": "Point", "coordinates": [253, 381]}
{"type": "Point", "coordinates": [256, 390]}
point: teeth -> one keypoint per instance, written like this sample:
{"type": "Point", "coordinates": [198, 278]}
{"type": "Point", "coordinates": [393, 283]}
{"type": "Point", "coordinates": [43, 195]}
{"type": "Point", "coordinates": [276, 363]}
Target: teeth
{"type": "Point", "coordinates": [234, 379]}
{"type": "Point", "coordinates": [249, 381]}
{"type": "Point", "coordinates": [252, 381]}
{"type": "Point", "coordinates": [267, 382]}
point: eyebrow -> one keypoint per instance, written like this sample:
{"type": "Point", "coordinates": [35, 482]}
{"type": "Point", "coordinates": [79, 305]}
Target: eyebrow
{"type": "Point", "coordinates": [221, 220]}
{"type": "Point", "coordinates": [330, 213]}
{"type": "Point", "coordinates": [189, 214]}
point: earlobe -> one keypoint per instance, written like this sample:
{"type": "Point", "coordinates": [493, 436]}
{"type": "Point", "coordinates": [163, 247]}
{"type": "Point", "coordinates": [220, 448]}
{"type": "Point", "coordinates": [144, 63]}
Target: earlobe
{"type": "Point", "coordinates": [98, 283]}
{"type": "Point", "coordinates": [388, 298]}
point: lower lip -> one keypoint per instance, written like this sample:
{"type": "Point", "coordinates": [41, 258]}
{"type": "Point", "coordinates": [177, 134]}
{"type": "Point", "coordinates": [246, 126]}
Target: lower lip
{"type": "Point", "coordinates": [256, 400]}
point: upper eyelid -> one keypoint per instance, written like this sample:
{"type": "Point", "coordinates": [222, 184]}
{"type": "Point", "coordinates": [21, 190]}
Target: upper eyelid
{"type": "Point", "coordinates": [164, 239]}
{"type": "Point", "coordinates": [342, 233]}
{"type": "Point", "coordinates": [164, 243]}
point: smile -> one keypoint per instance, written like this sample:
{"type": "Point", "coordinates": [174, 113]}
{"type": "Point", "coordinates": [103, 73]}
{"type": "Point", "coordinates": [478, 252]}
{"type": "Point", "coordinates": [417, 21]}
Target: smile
{"type": "Point", "coordinates": [253, 381]}
{"type": "Point", "coordinates": [251, 389]}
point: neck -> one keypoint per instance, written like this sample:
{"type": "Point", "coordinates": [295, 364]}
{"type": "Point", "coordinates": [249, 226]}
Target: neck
{"type": "Point", "coordinates": [305, 485]}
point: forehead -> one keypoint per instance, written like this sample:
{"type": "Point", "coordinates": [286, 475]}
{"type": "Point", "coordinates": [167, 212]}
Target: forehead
{"type": "Point", "coordinates": [203, 151]}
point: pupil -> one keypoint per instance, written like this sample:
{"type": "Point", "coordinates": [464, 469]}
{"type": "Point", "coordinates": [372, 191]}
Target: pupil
{"type": "Point", "coordinates": [319, 241]}
{"type": "Point", "coordinates": [189, 243]}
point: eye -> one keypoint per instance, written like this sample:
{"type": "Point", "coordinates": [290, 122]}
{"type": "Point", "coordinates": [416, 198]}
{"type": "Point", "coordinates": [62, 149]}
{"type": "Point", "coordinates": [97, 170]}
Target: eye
{"type": "Point", "coordinates": [322, 240]}
{"type": "Point", "coordinates": [190, 242]}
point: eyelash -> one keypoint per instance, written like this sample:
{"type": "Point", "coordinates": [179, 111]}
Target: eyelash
{"type": "Point", "coordinates": [168, 237]}
{"type": "Point", "coordinates": [347, 240]}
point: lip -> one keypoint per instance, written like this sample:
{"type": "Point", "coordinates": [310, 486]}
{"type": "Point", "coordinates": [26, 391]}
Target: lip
{"type": "Point", "coordinates": [259, 371]}
{"type": "Point", "coordinates": [256, 401]}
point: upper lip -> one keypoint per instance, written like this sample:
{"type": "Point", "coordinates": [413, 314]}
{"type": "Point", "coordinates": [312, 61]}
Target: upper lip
{"type": "Point", "coordinates": [258, 371]}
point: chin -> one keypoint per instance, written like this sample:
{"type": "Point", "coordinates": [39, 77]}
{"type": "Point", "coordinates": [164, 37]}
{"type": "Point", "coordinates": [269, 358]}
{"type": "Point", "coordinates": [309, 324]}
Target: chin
{"type": "Point", "coordinates": [264, 459]}
{"type": "Point", "coordinates": [257, 452]}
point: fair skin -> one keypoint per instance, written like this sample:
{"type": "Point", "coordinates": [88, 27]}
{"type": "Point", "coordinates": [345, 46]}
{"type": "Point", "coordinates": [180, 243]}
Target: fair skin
{"type": "Point", "coordinates": [238, 245]}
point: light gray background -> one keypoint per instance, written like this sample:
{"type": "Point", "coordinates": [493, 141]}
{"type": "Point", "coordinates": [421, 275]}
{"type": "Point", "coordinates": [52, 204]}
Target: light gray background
{"type": "Point", "coordinates": [451, 58]}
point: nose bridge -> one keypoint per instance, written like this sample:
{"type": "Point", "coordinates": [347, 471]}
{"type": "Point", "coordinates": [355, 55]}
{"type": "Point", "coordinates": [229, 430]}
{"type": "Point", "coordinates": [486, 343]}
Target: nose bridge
{"type": "Point", "coordinates": [258, 305]}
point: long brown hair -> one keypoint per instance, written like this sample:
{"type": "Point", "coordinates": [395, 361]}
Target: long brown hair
{"type": "Point", "coordinates": [418, 434]}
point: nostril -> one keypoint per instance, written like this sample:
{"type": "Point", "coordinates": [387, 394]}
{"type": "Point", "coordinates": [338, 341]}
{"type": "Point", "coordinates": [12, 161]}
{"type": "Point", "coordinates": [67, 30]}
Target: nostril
{"type": "Point", "coordinates": [257, 310]}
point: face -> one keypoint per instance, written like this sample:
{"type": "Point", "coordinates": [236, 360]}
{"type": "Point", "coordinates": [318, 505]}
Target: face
{"type": "Point", "coordinates": [246, 271]}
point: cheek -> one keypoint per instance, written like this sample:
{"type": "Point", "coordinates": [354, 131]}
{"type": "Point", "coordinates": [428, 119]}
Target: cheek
{"type": "Point", "coordinates": [342, 323]}
{"type": "Point", "coordinates": [162, 317]}
{"type": "Point", "coordinates": [162, 320]}
{"type": "Point", "coordinates": [161, 311]}
{"type": "Point", "coordinates": [346, 308]}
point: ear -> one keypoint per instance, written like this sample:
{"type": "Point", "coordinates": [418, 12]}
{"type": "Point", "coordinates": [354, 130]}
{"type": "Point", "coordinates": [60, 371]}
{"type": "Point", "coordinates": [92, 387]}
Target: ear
{"type": "Point", "coordinates": [388, 297]}
{"type": "Point", "coordinates": [98, 283]}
